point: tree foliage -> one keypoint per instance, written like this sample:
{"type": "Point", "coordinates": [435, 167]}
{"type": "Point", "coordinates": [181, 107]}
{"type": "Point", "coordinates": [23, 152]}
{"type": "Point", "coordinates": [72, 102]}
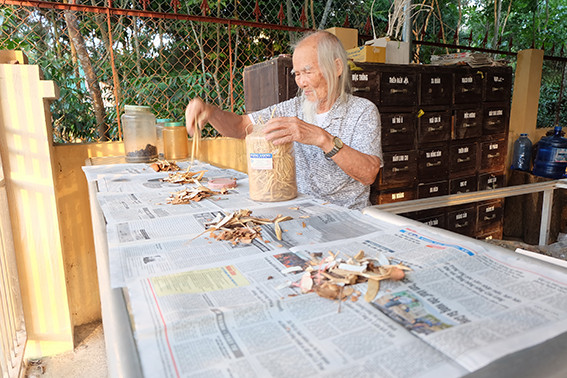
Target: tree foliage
{"type": "Point", "coordinates": [165, 62]}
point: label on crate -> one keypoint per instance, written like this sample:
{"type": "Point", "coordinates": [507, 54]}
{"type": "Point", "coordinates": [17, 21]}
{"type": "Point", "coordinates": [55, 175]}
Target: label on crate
{"type": "Point", "coordinates": [261, 161]}
{"type": "Point", "coordinates": [495, 113]}
{"type": "Point", "coordinates": [470, 115]}
{"type": "Point", "coordinates": [398, 80]}
{"type": "Point", "coordinates": [359, 77]}
{"type": "Point", "coordinates": [398, 158]}
{"type": "Point", "coordinates": [397, 119]}
{"type": "Point", "coordinates": [560, 155]}
{"type": "Point", "coordinates": [396, 196]}
{"type": "Point", "coordinates": [432, 222]}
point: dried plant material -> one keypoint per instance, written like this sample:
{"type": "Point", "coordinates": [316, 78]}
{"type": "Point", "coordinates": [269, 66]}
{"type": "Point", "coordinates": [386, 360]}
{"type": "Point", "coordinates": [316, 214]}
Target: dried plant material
{"type": "Point", "coordinates": [241, 227]}
{"type": "Point", "coordinates": [271, 168]}
{"type": "Point", "coordinates": [195, 194]}
{"type": "Point", "coordinates": [359, 256]}
{"type": "Point", "coordinates": [332, 277]}
{"type": "Point", "coordinates": [372, 290]}
{"type": "Point", "coordinates": [164, 166]}
{"type": "Point", "coordinates": [278, 230]}
{"type": "Point", "coordinates": [185, 177]}
{"type": "Point", "coordinates": [306, 283]}
{"type": "Point", "coordinates": [328, 290]}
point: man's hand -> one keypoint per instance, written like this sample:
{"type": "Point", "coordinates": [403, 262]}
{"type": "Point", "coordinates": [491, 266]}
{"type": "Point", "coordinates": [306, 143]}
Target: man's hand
{"type": "Point", "coordinates": [226, 123]}
{"type": "Point", "coordinates": [291, 129]}
{"type": "Point", "coordinates": [197, 112]}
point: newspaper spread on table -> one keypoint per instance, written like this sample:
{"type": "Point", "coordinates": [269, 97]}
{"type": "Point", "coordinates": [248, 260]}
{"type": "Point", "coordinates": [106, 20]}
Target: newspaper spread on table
{"type": "Point", "coordinates": [204, 307]}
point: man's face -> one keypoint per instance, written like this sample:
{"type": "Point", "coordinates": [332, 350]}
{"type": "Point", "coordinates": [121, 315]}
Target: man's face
{"type": "Point", "coordinates": [308, 76]}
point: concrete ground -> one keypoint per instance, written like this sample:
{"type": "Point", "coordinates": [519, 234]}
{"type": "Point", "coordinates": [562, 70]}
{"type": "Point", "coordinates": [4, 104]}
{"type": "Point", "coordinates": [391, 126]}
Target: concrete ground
{"type": "Point", "coordinates": [88, 360]}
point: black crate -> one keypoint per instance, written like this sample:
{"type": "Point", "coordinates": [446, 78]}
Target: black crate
{"type": "Point", "coordinates": [366, 83]}
{"type": "Point", "coordinates": [493, 155]}
{"type": "Point", "coordinates": [433, 163]}
{"type": "Point", "coordinates": [398, 131]}
{"type": "Point", "coordinates": [436, 86]}
{"type": "Point", "coordinates": [432, 217]}
{"type": "Point", "coordinates": [495, 118]}
{"type": "Point", "coordinates": [398, 86]}
{"type": "Point", "coordinates": [434, 125]}
{"type": "Point", "coordinates": [380, 197]}
{"type": "Point", "coordinates": [463, 185]}
{"type": "Point", "coordinates": [467, 122]}
{"type": "Point", "coordinates": [489, 216]}
{"type": "Point", "coordinates": [462, 219]}
{"type": "Point", "coordinates": [497, 83]}
{"type": "Point", "coordinates": [399, 170]}
{"type": "Point", "coordinates": [433, 189]}
{"type": "Point", "coordinates": [468, 85]}
{"type": "Point", "coordinates": [491, 180]}
{"type": "Point", "coordinates": [462, 159]}
{"type": "Point", "coordinates": [268, 83]}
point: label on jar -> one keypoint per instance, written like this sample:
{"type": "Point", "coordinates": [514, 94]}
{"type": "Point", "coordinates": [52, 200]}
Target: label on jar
{"type": "Point", "coordinates": [261, 161]}
{"type": "Point", "coordinates": [560, 155]}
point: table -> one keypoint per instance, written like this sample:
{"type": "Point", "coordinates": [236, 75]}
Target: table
{"type": "Point", "coordinates": [123, 357]}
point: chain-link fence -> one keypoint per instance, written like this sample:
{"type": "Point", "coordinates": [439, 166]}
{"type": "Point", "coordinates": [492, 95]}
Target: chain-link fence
{"type": "Point", "coordinates": [107, 54]}
{"type": "Point", "coordinates": [152, 53]}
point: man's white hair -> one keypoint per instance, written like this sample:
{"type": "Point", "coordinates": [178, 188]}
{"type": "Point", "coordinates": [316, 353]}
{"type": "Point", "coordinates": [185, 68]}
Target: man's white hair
{"type": "Point", "coordinates": [329, 50]}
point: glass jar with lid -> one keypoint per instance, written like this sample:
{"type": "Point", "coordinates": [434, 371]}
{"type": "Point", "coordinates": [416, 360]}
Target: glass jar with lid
{"type": "Point", "coordinates": [159, 134]}
{"type": "Point", "coordinates": [139, 127]}
{"type": "Point", "coordinates": [175, 141]}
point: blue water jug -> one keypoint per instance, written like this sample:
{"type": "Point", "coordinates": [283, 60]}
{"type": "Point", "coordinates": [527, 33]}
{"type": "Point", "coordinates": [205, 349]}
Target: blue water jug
{"type": "Point", "coordinates": [551, 156]}
{"type": "Point", "coordinates": [522, 153]}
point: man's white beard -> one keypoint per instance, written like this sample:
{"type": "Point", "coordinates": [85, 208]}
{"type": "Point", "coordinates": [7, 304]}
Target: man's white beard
{"type": "Point", "coordinates": [309, 109]}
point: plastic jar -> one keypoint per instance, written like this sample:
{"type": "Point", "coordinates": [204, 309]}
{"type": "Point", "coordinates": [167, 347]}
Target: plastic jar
{"type": "Point", "coordinates": [522, 153]}
{"type": "Point", "coordinates": [175, 141]}
{"type": "Point", "coordinates": [271, 169]}
{"type": "Point", "coordinates": [551, 156]}
{"type": "Point", "coordinates": [139, 127]}
{"type": "Point", "coordinates": [159, 134]}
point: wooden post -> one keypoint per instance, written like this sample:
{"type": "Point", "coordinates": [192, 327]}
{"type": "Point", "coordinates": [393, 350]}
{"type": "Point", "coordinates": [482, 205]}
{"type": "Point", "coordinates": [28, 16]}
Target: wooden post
{"type": "Point", "coordinates": [26, 150]}
{"type": "Point", "coordinates": [525, 98]}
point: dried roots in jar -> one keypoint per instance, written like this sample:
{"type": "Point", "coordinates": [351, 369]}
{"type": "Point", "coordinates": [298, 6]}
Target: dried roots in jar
{"type": "Point", "coordinates": [271, 169]}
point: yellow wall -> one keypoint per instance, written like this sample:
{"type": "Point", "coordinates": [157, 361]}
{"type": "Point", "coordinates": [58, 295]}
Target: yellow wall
{"type": "Point", "coordinates": [76, 227]}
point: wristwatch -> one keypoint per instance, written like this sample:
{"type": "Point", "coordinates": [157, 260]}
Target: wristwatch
{"type": "Point", "coordinates": [338, 144]}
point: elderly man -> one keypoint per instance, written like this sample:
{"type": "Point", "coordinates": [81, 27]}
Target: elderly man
{"type": "Point", "coordinates": [337, 151]}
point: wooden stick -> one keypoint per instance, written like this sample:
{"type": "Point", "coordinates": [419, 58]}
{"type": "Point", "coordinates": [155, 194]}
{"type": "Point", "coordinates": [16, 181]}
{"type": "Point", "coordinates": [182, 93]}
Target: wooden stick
{"type": "Point", "coordinates": [196, 134]}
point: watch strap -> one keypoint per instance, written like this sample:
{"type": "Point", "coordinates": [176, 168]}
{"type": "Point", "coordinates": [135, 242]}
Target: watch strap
{"type": "Point", "coordinates": [337, 145]}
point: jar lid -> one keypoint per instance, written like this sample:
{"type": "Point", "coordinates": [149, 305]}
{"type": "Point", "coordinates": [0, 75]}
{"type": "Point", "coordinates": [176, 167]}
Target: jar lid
{"type": "Point", "coordinates": [174, 124]}
{"type": "Point", "coordinates": [222, 183]}
{"type": "Point", "coordinates": [136, 108]}
{"type": "Point", "coordinates": [163, 120]}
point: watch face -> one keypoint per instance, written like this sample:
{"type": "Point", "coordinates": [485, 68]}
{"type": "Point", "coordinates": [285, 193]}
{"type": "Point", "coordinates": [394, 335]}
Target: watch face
{"type": "Point", "coordinates": [338, 142]}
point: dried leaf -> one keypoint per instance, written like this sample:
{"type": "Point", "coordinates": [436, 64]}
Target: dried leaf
{"type": "Point", "coordinates": [359, 256]}
{"type": "Point", "coordinates": [372, 290]}
{"type": "Point", "coordinates": [278, 230]}
{"type": "Point", "coordinates": [306, 283]}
